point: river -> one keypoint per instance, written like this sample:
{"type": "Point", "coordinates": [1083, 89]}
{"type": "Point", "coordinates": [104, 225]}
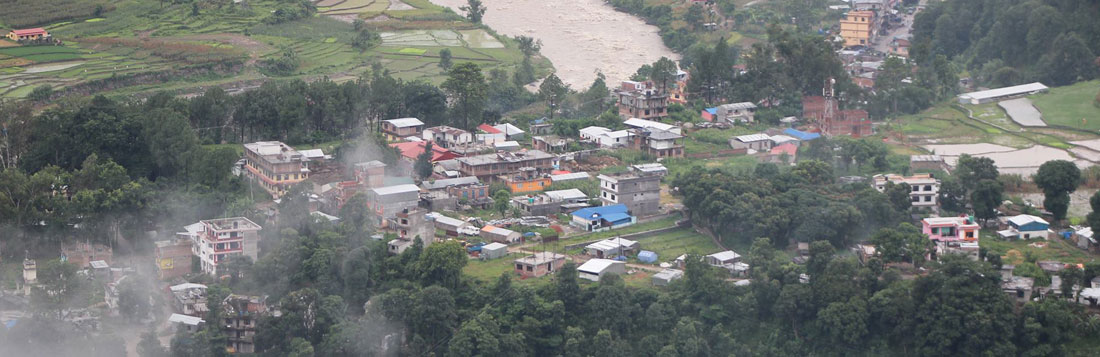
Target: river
{"type": "Point", "coordinates": [581, 37]}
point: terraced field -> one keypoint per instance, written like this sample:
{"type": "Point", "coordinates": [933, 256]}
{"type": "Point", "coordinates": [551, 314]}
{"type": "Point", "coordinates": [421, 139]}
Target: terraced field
{"type": "Point", "coordinates": [142, 36]}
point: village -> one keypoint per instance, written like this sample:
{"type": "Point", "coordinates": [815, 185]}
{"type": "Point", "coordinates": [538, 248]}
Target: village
{"type": "Point", "coordinates": [727, 190]}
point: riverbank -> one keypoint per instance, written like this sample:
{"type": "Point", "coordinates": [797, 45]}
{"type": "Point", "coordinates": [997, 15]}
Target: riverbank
{"type": "Point", "coordinates": [580, 37]}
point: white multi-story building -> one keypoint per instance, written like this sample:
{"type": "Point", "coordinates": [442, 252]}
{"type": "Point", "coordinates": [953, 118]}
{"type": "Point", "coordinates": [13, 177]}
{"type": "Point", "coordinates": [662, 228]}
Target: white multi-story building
{"type": "Point", "coordinates": [216, 240]}
{"type": "Point", "coordinates": [924, 190]}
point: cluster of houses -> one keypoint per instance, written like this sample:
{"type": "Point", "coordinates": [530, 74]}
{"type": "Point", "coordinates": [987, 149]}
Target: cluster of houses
{"type": "Point", "coordinates": [240, 314]}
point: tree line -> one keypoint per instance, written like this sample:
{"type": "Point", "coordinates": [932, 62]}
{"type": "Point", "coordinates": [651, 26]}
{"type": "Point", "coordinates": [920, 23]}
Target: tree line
{"type": "Point", "coordinates": [1012, 42]}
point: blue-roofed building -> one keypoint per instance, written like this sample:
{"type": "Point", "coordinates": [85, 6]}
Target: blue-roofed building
{"type": "Point", "coordinates": [801, 135]}
{"type": "Point", "coordinates": [709, 114]}
{"type": "Point", "coordinates": [595, 219]}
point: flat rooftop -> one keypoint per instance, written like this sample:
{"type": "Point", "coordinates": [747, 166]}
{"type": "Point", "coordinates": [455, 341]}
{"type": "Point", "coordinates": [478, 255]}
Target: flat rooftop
{"type": "Point", "coordinates": [228, 223]}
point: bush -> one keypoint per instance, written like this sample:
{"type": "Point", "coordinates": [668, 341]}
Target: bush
{"type": "Point", "coordinates": [284, 65]}
{"type": "Point", "coordinates": [41, 93]}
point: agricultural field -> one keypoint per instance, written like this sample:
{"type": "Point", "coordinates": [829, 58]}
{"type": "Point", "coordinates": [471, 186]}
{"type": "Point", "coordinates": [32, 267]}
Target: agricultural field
{"type": "Point", "coordinates": [1072, 106]}
{"type": "Point", "coordinates": [25, 13]}
{"type": "Point", "coordinates": [157, 45]}
{"type": "Point", "coordinates": [670, 245]}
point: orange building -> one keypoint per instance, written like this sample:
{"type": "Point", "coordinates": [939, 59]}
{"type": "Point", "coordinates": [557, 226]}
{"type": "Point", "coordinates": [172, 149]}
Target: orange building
{"type": "Point", "coordinates": [527, 184]}
{"type": "Point", "coordinates": [857, 28]}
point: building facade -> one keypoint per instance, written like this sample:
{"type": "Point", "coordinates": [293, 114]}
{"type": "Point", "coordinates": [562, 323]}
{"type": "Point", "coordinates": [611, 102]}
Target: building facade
{"type": "Point", "coordinates": [639, 189]}
{"type": "Point", "coordinates": [857, 28]}
{"type": "Point", "coordinates": [643, 101]}
{"type": "Point", "coordinates": [488, 167]}
{"type": "Point", "coordinates": [951, 229]}
{"type": "Point", "coordinates": [924, 190]}
{"type": "Point", "coordinates": [241, 313]}
{"type": "Point", "coordinates": [397, 129]}
{"type": "Point", "coordinates": [220, 239]}
{"type": "Point", "coordinates": [275, 166]}
{"type": "Point", "coordinates": [539, 264]}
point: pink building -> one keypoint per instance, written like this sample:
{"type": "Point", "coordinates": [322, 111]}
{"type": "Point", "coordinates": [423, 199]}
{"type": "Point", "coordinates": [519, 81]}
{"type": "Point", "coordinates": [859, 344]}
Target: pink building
{"type": "Point", "coordinates": [951, 229]}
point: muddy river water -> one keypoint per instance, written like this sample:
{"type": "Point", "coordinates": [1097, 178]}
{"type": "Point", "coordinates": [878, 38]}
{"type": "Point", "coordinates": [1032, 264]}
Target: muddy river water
{"type": "Point", "coordinates": [581, 37]}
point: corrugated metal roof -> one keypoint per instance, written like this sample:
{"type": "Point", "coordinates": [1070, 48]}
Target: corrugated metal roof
{"type": "Point", "coordinates": [404, 122]}
{"type": "Point", "coordinates": [1006, 91]}
{"type": "Point", "coordinates": [395, 189]}
{"type": "Point", "coordinates": [753, 137]}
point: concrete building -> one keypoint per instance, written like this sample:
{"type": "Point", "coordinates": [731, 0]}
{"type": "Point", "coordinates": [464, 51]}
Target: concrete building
{"type": "Point", "coordinates": [857, 28]}
{"type": "Point", "coordinates": [412, 223]}
{"type": "Point", "coordinates": [993, 95]}
{"type": "Point", "coordinates": [525, 180]}
{"type": "Point", "coordinates": [595, 269]}
{"type": "Point", "coordinates": [550, 143]}
{"type": "Point", "coordinates": [447, 137]}
{"type": "Point", "coordinates": [371, 173]}
{"type": "Point", "coordinates": [467, 188]}
{"type": "Point", "coordinates": [646, 102]}
{"type": "Point", "coordinates": [173, 257]}
{"type": "Point", "coordinates": [241, 313]}
{"type": "Point", "coordinates": [918, 163]}
{"type": "Point", "coordinates": [539, 264]}
{"type": "Point", "coordinates": [951, 229]}
{"type": "Point", "coordinates": [397, 129]}
{"type": "Point", "coordinates": [639, 189]}
{"type": "Point", "coordinates": [662, 143]}
{"type": "Point", "coordinates": [612, 247]}
{"type": "Point", "coordinates": [387, 201]}
{"type": "Point", "coordinates": [488, 167]}
{"type": "Point", "coordinates": [733, 113]}
{"type": "Point", "coordinates": [275, 166]}
{"type": "Point", "coordinates": [924, 189]}
{"type": "Point", "coordinates": [216, 240]}
{"type": "Point", "coordinates": [82, 254]}
{"type": "Point", "coordinates": [189, 299]}
{"type": "Point", "coordinates": [550, 202]}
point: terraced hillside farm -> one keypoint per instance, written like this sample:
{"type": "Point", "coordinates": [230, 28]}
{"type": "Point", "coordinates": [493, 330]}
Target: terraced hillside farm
{"type": "Point", "coordinates": [987, 130]}
{"type": "Point", "coordinates": [134, 46]}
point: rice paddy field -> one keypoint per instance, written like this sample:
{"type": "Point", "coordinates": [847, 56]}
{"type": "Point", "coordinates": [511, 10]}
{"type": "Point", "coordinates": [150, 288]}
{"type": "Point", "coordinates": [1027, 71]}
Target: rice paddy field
{"type": "Point", "coordinates": [134, 37]}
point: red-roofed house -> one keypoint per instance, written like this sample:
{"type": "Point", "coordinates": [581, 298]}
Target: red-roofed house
{"type": "Point", "coordinates": [489, 135]}
{"type": "Point", "coordinates": [412, 149]}
{"type": "Point", "coordinates": [789, 148]}
{"type": "Point", "coordinates": [28, 34]}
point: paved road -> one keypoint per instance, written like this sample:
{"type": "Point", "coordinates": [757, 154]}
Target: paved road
{"type": "Point", "coordinates": [883, 42]}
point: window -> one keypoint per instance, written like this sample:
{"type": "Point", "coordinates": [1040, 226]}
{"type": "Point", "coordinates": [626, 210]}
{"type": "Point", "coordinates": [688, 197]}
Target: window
{"type": "Point", "coordinates": [928, 188]}
{"type": "Point", "coordinates": [927, 198]}
{"type": "Point", "coordinates": [915, 198]}
{"type": "Point", "coordinates": [530, 268]}
{"type": "Point", "coordinates": [519, 266]}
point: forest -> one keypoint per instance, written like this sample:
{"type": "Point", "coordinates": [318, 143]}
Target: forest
{"type": "Point", "coordinates": [1011, 42]}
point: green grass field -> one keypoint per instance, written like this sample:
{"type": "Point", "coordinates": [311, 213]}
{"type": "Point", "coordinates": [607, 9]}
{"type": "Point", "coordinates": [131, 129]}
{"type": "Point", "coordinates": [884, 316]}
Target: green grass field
{"type": "Point", "coordinates": [670, 245]}
{"type": "Point", "coordinates": [1056, 249]}
{"type": "Point", "coordinates": [1071, 106]}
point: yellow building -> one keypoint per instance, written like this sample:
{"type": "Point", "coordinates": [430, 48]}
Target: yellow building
{"type": "Point", "coordinates": [28, 34]}
{"type": "Point", "coordinates": [857, 28]}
